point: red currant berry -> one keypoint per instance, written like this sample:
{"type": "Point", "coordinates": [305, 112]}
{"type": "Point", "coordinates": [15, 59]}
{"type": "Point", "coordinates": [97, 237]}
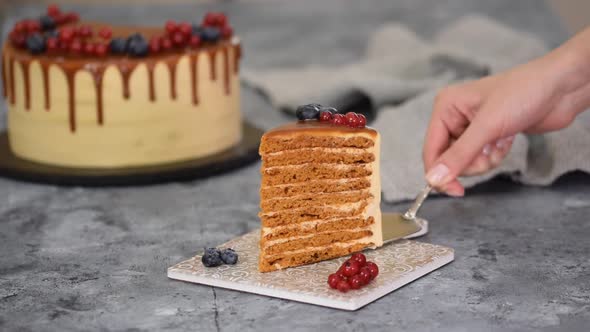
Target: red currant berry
{"type": "Point", "coordinates": [52, 44]}
{"type": "Point", "coordinates": [359, 258]}
{"type": "Point", "coordinates": [351, 119]}
{"type": "Point", "coordinates": [325, 116]}
{"type": "Point", "coordinates": [18, 40]}
{"type": "Point", "coordinates": [166, 43]}
{"type": "Point", "coordinates": [20, 27]}
{"type": "Point", "coordinates": [365, 274]}
{"type": "Point", "coordinates": [89, 49]}
{"type": "Point", "coordinates": [343, 286]}
{"type": "Point", "coordinates": [210, 19]}
{"type": "Point", "coordinates": [185, 28]}
{"type": "Point", "coordinates": [61, 19]}
{"type": "Point", "coordinates": [333, 280]}
{"type": "Point", "coordinates": [338, 119]}
{"type": "Point", "coordinates": [356, 282]}
{"type": "Point", "coordinates": [66, 34]}
{"type": "Point", "coordinates": [178, 39]}
{"type": "Point", "coordinates": [72, 17]}
{"type": "Point", "coordinates": [351, 268]}
{"type": "Point", "coordinates": [221, 19]}
{"type": "Point", "coordinates": [171, 27]}
{"type": "Point", "coordinates": [101, 49]}
{"type": "Point", "coordinates": [76, 46]}
{"type": "Point", "coordinates": [155, 44]}
{"type": "Point", "coordinates": [362, 121]}
{"type": "Point", "coordinates": [374, 269]}
{"type": "Point", "coordinates": [64, 46]}
{"type": "Point", "coordinates": [195, 41]}
{"type": "Point", "coordinates": [105, 33]}
{"type": "Point", "coordinates": [33, 26]}
{"type": "Point", "coordinates": [53, 10]}
{"type": "Point", "coordinates": [227, 31]}
{"type": "Point", "coordinates": [84, 31]}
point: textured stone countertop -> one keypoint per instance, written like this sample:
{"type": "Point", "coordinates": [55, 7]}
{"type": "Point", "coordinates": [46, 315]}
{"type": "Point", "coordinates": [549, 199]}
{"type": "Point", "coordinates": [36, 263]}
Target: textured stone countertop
{"type": "Point", "coordinates": [96, 259]}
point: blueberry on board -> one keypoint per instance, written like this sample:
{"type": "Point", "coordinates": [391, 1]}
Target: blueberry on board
{"type": "Point", "coordinates": [210, 34]}
{"type": "Point", "coordinates": [229, 256]}
{"type": "Point", "coordinates": [308, 112]}
{"type": "Point", "coordinates": [211, 257]}
{"type": "Point", "coordinates": [46, 22]}
{"type": "Point", "coordinates": [35, 43]}
{"type": "Point", "coordinates": [118, 46]}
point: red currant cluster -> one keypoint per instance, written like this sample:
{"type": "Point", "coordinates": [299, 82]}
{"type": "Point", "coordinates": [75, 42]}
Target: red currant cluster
{"type": "Point", "coordinates": [184, 34]}
{"type": "Point", "coordinates": [351, 119]}
{"type": "Point", "coordinates": [355, 273]}
{"type": "Point", "coordinates": [80, 40]}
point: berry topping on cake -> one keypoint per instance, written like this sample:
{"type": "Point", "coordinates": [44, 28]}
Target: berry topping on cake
{"type": "Point", "coordinates": [229, 256]}
{"type": "Point", "coordinates": [355, 272]}
{"type": "Point", "coordinates": [177, 36]}
{"type": "Point", "coordinates": [338, 119]}
{"type": "Point", "coordinates": [330, 115]}
{"type": "Point", "coordinates": [308, 112]}
{"type": "Point", "coordinates": [212, 257]}
{"type": "Point", "coordinates": [325, 116]}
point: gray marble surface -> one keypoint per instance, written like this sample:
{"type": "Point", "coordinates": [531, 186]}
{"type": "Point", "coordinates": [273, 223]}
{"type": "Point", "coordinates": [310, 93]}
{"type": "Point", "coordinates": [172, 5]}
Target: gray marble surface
{"type": "Point", "coordinates": [96, 259]}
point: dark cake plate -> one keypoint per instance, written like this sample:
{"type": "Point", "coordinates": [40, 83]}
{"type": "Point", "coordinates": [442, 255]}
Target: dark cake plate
{"type": "Point", "coordinates": [244, 153]}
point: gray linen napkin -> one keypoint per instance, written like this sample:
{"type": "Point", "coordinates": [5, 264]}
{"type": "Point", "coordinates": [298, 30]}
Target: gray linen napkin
{"type": "Point", "coordinates": [399, 66]}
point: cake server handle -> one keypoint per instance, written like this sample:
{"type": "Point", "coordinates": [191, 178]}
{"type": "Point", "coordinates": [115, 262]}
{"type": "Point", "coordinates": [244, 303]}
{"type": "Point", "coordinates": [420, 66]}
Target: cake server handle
{"type": "Point", "coordinates": [411, 213]}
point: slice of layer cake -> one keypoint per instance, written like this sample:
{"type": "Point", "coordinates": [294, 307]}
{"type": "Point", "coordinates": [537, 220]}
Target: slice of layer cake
{"type": "Point", "coordinates": [320, 190]}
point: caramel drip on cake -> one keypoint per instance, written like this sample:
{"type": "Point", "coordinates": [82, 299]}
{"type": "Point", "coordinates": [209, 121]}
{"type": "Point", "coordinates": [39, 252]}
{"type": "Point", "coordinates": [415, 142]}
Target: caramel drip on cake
{"type": "Point", "coordinates": [172, 69]}
{"type": "Point", "coordinates": [46, 91]}
{"type": "Point", "coordinates": [151, 87]}
{"type": "Point", "coordinates": [212, 57]}
{"type": "Point", "coordinates": [70, 73]}
{"type": "Point", "coordinates": [237, 57]}
{"type": "Point", "coordinates": [126, 70]}
{"type": "Point", "coordinates": [11, 80]}
{"type": "Point", "coordinates": [226, 72]}
{"type": "Point", "coordinates": [97, 73]}
{"type": "Point", "coordinates": [25, 65]}
{"type": "Point", "coordinates": [193, 62]}
{"type": "Point", "coordinates": [4, 87]}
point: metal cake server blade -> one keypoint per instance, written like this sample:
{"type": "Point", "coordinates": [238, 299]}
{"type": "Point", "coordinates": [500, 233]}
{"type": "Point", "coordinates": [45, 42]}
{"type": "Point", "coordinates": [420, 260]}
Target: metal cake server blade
{"type": "Point", "coordinates": [397, 226]}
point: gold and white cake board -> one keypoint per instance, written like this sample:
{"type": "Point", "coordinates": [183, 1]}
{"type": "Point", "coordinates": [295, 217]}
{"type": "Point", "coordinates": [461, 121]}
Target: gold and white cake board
{"type": "Point", "coordinates": [400, 263]}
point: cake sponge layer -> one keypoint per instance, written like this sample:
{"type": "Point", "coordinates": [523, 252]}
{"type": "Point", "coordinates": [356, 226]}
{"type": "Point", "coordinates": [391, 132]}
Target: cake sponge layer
{"type": "Point", "coordinates": [313, 227]}
{"type": "Point", "coordinates": [320, 239]}
{"type": "Point", "coordinates": [285, 203]}
{"type": "Point", "coordinates": [307, 172]}
{"type": "Point", "coordinates": [294, 216]}
{"type": "Point", "coordinates": [276, 144]}
{"type": "Point", "coordinates": [314, 187]}
{"type": "Point", "coordinates": [305, 156]}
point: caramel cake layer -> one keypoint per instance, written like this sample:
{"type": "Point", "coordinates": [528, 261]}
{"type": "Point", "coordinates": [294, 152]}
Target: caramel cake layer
{"type": "Point", "coordinates": [320, 239]}
{"type": "Point", "coordinates": [314, 187]}
{"type": "Point", "coordinates": [310, 255]}
{"type": "Point", "coordinates": [307, 172]}
{"type": "Point", "coordinates": [295, 216]}
{"type": "Point", "coordinates": [287, 203]}
{"type": "Point", "coordinates": [313, 227]}
{"type": "Point", "coordinates": [304, 156]}
{"type": "Point", "coordinates": [269, 144]}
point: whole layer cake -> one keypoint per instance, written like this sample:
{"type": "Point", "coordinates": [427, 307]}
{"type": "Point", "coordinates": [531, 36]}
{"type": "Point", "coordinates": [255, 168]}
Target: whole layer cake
{"type": "Point", "coordinates": [90, 95]}
{"type": "Point", "coordinates": [320, 192]}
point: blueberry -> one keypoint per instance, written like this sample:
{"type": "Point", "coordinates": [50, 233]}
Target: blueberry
{"type": "Point", "coordinates": [211, 257]}
{"type": "Point", "coordinates": [53, 33]}
{"type": "Point", "coordinates": [197, 29]}
{"type": "Point", "coordinates": [210, 34]}
{"type": "Point", "coordinates": [118, 46]}
{"type": "Point", "coordinates": [137, 45]}
{"type": "Point", "coordinates": [46, 22]}
{"type": "Point", "coordinates": [229, 256]}
{"type": "Point", "coordinates": [36, 43]}
{"type": "Point", "coordinates": [308, 112]}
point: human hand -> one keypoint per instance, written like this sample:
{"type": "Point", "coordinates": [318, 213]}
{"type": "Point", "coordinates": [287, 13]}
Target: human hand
{"type": "Point", "coordinates": [473, 124]}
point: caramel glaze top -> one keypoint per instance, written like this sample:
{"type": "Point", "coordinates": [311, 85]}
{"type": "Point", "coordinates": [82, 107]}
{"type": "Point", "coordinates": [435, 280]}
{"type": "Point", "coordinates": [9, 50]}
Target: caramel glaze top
{"type": "Point", "coordinates": [70, 64]}
{"type": "Point", "coordinates": [317, 127]}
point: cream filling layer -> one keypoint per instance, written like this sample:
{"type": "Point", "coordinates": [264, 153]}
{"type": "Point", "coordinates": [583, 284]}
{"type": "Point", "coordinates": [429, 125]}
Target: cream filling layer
{"type": "Point", "coordinates": [306, 225]}
{"type": "Point", "coordinates": [307, 236]}
{"type": "Point", "coordinates": [346, 207]}
{"type": "Point", "coordinates": [337, 244]}
{"type": "Point", "coordinates": [360, 191]}
{"type": "Point", "coordinates": [332, 165]}
{"type": "Point", "coordinates": [296, 184]}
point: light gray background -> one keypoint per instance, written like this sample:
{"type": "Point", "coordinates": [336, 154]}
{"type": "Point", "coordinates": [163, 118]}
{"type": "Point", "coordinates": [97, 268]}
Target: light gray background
{"type": "Point", "coordinates": [90, 259]}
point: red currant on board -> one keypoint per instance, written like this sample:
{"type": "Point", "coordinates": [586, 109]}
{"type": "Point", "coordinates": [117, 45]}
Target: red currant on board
{"type": "Point", "coordinates": [325, 116]}
{"type": "Point", "coordinates": [333, 280]}
{"type": "Point", "coordinates": [362, 121]}
{"type": "Point", "coordinates": [350, 268]}
{"type": "Point", "coordinates": [374, 269]}
{"type": "Point", "coordinates": [343, 286]}
{"type": "Point", "coordinates": [365, 274]}
{"type": "Point", "coordinates": [105, 33]}
{"type": "Point", "coordinates": [359, 258]}
{"type": "Point", "coordinates": [356, 282]}
{"type": "Point", "coordinates": [338, 119]}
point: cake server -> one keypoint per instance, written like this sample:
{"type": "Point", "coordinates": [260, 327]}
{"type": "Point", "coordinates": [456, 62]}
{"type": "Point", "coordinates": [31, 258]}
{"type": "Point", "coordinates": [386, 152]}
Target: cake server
{"type": "Point", "coordinates": [397, 226]}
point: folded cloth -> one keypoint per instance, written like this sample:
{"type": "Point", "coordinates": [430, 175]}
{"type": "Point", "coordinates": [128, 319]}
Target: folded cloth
{"type": "Point", "coordinates": [400, 68]}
